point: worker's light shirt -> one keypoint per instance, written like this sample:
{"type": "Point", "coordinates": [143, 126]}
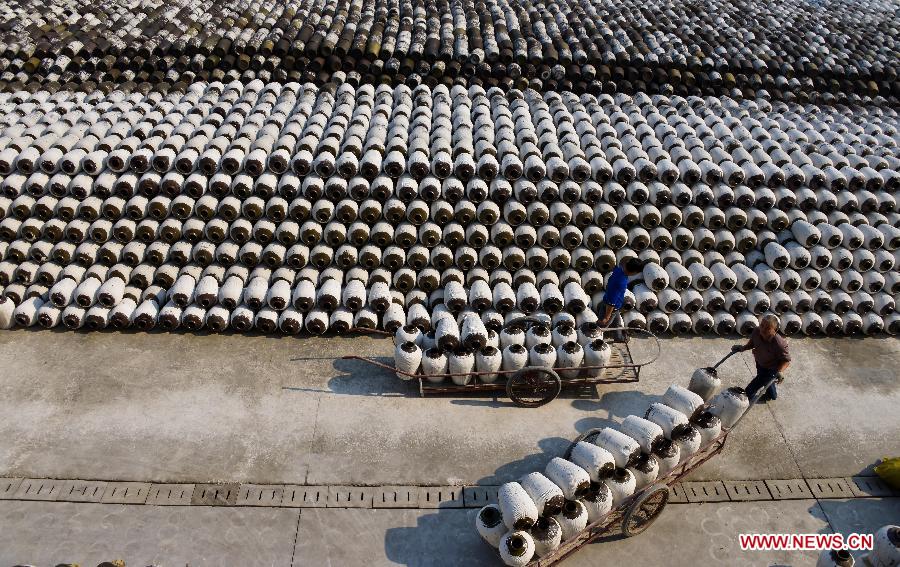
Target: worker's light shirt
{"type": "Point", "coordinates": [615, 288]}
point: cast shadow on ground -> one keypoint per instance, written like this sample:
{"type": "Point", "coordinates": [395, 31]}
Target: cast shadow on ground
{"type": "Point", "coordinates": [447, 536]}
{"type": "Point", "coordinates": [612, 405]}
{"type": "Point", "coordinates": [444, 537]}
{"type": "Point", "coordinates": [359, 378]}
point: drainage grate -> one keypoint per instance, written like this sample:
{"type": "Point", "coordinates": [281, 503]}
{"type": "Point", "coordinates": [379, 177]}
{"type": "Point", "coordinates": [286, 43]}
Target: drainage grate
{"type": "Point", "coordinates": [746, 490]}
{"type": "Point", "coordinates": [215, 494]}
{"type": "Point", "coordinates": [479, 496]}
{"type": "Point", "coordinates": [39, 489]}
{"type": "Point", "coordinates": [350, 496]}
{"type": "Point", "coordinates": [830, 487]}
{"type": "Point", "coordinates": [299, 496]}
{"type": "Point", "coordinates": [260, 495]}
{"type": "Point", "coordinates": [705, 491]}
{"type": "Point", "coordinates": [676, 494]}
{"type": "Point", "coordinates": [396, 497]}
{"type": "Point", "coordinates": [864, 486]}
{"type": "Point", "coordinates": [790, 489]}
{"type": "Point", "coordinates": [440, 497]}
{"type": "Point", "coordinates": [126, 493]}
{"type": "Point", "coordinates": [170, 494]}
{"type": "Point", "coordinates": [82, 491]}
{"type": "Point", "coordinates": [423, 497]}
{"type": "Point", "coordinates": [8, 487]}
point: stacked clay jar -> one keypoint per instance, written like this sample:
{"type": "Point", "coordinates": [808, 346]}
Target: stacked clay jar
{"type": "Point", "coordinates": [606, 471]}
{"type": "Point", "coordinates": [288, 207]}
{"type": "Point", "coordinates": [830, 50]}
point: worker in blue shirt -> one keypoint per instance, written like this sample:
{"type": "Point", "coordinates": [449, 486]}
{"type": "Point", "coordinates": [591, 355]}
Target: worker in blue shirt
{"type": "Point", "coordinates": [615, 293]}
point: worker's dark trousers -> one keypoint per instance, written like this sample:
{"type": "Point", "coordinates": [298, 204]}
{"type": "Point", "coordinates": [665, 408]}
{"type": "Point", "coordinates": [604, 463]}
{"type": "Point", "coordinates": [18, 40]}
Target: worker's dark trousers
{"type": "Point", "coordinates": [763, 377]}
{"type": "Point", "coordinates": [615, 320]}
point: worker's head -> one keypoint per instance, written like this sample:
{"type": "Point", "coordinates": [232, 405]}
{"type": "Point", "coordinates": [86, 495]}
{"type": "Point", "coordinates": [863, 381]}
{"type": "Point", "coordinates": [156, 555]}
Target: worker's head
{"type": "Point", "coordinates": [768, 326]}
{"type": "Point", "coordinates": [632, 266]}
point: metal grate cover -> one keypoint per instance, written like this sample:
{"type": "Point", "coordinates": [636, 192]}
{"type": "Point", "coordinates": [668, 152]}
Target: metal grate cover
{"type": "Point", "coordinates": [830, 487]}
{"type": "Point", "coordinates": [396, 497]}
{"type": "Point", "coordinates": [705, 491]}
{"type": "Point", "coordinates": [170, 495]}
{"type": "Point", "coordinates": [82, 491]}
{"type": "Point", "coordinates": [260, 495]}
{"type": "Point", "coordinates": [676, 494]}
{"type": "Point", "coordinates": [789, 489]}
{"type": "Point", "coordinates": [479, 496]}
{"type": "Point", "coordinates": [440, 497]}
{"type": "Point", "coordinates": [867, 486]}
{"type": "Point", "coordinates": [300, 496]}
{"type": "Point", "coordinates": [215, 494]}
{"type": "Point", "coordinates": [8, 487]}
{"type": "Point", "coordinates": [126, 493]}
{"type": "Point", "coordinates": [39, 489]}
{"type": "Point", "coordinates": [747, 490]}
{"type": "Point", "coordinates": [350, 496]}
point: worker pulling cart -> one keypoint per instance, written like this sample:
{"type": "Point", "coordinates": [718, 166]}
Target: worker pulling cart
{"type": "Point", "coordinates": [524, 541]}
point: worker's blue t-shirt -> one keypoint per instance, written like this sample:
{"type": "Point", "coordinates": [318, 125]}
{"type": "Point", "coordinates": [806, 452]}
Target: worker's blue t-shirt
{"type": "Point", "coordinates": [615, 288]}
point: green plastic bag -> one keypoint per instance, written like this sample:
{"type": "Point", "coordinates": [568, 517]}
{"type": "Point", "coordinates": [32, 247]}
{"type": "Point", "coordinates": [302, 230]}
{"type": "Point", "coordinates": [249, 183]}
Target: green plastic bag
{"type": "Point", "coordinates": [889, 471]}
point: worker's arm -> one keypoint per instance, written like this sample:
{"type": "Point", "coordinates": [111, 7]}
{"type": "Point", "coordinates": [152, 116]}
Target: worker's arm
{"type": "Point", "coordinates": [615, 292]}
{"type": "Point", "coordinates": [785, 359]}
{"type": "Point", "coordinates": [741, 348]}
{"type": "Point", "coordinates": [607, 314]}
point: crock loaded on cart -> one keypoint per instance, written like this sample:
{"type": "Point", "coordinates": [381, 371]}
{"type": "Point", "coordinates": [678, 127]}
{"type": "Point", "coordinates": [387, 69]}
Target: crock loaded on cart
{"type": "Point", "coordinates": [612, 479]}
{"type": "Point", "coordinates": [529, 358]}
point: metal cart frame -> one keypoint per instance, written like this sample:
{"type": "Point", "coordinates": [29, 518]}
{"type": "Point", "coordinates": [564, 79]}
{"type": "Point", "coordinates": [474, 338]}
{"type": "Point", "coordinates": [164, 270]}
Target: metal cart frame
{"type": "Point", "coordinates": [534, 386]}
{"type": "Point", "coordinates": [638, 512]}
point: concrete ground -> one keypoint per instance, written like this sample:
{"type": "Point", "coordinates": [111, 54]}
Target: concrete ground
{"type": "Point", "coordinates": [249, 409]}
{"type": "Point", "coordinates": [46, 533]}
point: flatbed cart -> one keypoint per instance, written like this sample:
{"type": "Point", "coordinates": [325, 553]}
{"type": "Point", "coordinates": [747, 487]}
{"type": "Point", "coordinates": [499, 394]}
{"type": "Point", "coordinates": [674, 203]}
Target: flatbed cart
{"type": "Point", "coordinates": [534, 386]}
{"type": "Point", "coordinates": [638, 512]}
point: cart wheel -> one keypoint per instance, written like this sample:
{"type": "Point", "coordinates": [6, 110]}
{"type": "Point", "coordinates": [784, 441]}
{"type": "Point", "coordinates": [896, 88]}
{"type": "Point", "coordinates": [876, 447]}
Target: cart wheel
{"type": "Point", "coordinates": [533, 386]}
{"type": "Point", "coordinates": [645, 510]}
{"type": "Point", "coordinates": [588, 436]}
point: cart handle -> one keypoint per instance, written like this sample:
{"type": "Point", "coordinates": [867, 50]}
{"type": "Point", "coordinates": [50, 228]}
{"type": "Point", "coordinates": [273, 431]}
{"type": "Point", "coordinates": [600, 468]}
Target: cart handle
{"type": "Point", "coordinates": [647, 334]}
{"type": "Point", "coordinates": [370, 331]}
{"type": "Point", "coordinates": [755, 399]}
{"type": "Point", "coordinates": [727, 356]}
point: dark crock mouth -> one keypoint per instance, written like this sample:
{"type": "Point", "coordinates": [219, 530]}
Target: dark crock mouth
{"type": "Point", "coordinates": [571, 347]}
{"type": "Point", "coordinates": [516, 349]}
{"type": "Point", "coordinates": [543, 348]}
{"type": "Point", "coordinates": [545, 527]}
{"type": "Point", "coordinates": [620, 475]}
{"type": "Point", "coordinates": [409, 347]}
{"type": "Point", "coordinates": [490, 516]}
{"type": "Point", "coordinates": [516, 544]}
